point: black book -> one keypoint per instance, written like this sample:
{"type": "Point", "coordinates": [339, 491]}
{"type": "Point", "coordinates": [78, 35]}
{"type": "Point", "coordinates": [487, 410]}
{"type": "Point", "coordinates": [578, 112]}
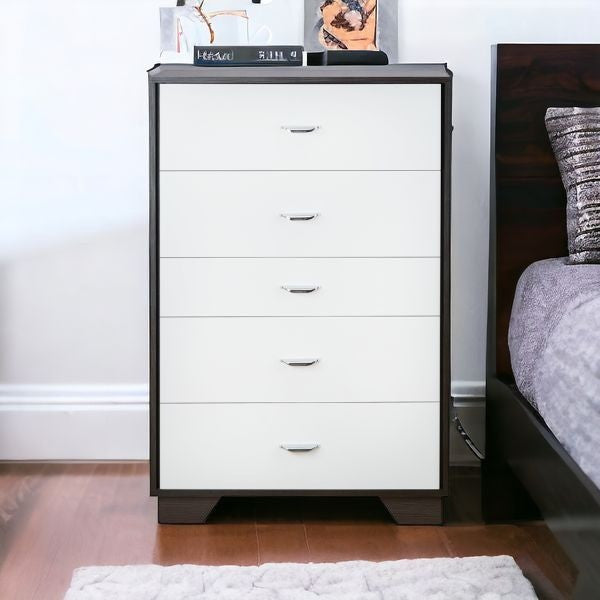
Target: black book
{"type": "Point", "coordinates": [248, 56]}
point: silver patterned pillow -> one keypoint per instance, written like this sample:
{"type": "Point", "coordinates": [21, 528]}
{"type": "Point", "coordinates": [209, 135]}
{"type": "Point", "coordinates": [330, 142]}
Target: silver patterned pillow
{"type": "Point", "coordinates": [575, 138]}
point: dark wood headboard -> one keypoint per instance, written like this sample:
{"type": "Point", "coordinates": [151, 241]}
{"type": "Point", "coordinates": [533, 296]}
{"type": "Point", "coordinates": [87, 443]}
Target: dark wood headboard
{"type": "Point", "coordinates": [527, 200]}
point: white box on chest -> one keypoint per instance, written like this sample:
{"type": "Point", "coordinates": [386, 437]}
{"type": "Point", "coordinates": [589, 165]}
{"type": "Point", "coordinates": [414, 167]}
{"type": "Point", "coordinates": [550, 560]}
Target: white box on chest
{"type": "Point", "coordinates": [299, 268]}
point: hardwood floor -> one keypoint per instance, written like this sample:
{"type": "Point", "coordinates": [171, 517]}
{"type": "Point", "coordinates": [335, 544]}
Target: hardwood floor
{"type": "Point", "coordinates": [57, 517]}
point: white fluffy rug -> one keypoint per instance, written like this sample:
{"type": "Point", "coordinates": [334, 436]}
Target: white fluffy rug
{"type": "Point", "coordinates": [475, 578]}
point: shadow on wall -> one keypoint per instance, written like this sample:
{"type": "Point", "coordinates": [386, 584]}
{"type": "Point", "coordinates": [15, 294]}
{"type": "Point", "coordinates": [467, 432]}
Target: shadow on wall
{"type": "Point", "coordinates": [77, 312]}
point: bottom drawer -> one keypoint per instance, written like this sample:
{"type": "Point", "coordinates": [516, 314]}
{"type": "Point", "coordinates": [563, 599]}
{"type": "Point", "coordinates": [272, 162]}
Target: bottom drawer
{"type": "Point", "coordinates": [357, 446]}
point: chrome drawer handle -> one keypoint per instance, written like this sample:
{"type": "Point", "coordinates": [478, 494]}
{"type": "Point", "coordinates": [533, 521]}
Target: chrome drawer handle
{"type": "Point", "coordinates": [300, 128]}
{"type": "Point", "coordinates": [300, 362]}
{"type": "Point", "coordinates": [299, 216]}
{"type": "Point", "coordinates": [302, 447]}
{"type": "Point", "coordinates": [300, 289]}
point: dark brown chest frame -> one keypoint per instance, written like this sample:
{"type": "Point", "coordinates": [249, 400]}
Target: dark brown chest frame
{"type": "Point", "coordinates": [405, 506]}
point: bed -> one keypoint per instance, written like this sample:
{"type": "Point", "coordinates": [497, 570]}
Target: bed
{"type": "Point", "coordinates": [543, 355]}
{"type": "Point", "coordinates": [554, 342]}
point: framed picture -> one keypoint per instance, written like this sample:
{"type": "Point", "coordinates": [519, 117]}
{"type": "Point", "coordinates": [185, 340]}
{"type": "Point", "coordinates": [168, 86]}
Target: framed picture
{"type": "Point", "coordinates": [229, 23]}
{"type": "Point", "coordinates": [352, 25]}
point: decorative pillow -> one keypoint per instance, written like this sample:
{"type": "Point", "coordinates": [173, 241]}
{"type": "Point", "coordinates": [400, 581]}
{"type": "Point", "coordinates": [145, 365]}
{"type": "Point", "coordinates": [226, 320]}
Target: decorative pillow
{"type": "Point", "coordinates": [575, 138]}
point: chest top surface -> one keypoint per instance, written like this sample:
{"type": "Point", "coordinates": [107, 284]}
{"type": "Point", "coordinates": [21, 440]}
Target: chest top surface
{"type": "Point", "coordinates": [404, 73]}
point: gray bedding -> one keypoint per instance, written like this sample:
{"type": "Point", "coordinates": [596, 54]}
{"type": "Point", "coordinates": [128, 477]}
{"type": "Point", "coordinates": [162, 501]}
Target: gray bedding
{"type": "Point", "coordinates": [554, 340]}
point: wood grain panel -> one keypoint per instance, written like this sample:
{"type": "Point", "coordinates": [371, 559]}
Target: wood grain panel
{"type": "Point", "coordinates": [492, 540]}
{"type": "Point", "coordinates": [68, 516]}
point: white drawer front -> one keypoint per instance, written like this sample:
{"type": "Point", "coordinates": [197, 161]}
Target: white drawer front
{"type": "Point", "coordinates": [249, 126]}
{"type": "Point", "coordinates": [238, 446]}
{"type": "Point", "coordinates": [288, 214]}
{"type": "Point", "coordinates": [393, 359]}
{"type": "Point", "coordinates": [299, 286]}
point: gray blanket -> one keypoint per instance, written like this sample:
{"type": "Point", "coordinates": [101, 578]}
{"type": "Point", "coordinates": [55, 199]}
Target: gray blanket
{"type": "Point", "coordinates": [554, 340]}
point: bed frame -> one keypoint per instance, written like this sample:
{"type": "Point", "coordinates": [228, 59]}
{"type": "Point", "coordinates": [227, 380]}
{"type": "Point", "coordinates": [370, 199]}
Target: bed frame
{"type": "Point", "coordinates": [526, 469]}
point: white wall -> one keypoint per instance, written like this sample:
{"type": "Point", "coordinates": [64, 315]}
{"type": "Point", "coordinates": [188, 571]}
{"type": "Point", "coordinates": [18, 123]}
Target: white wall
{"type": "Point", "coordinates": [73, 227]}
{"type": "Point", "coordinates": [73, 172]}
{"type": "Point", "coordinates": [73, 117]}
{"type": "Point", "coordinates": [76, 312]}
{"type": "Point", "coordinates": [460, 32]}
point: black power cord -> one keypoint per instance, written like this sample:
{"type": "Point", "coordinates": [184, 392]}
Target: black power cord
{"type": "Point", "coordinates": [467, 439]}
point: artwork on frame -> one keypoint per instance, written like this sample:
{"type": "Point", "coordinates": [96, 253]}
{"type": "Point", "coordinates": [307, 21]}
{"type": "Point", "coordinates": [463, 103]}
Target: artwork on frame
{"type": "Point", "coordinates": [228, 23]}
{"type": "Point", "coordinates": [352, 25]}
{"type": "Point", "coordinates": [349, 24]}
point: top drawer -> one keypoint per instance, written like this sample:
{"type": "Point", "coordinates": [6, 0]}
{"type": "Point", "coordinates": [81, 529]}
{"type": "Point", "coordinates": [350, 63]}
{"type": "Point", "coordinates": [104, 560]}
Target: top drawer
{"type": "Point", "coordinates": [221, 127]}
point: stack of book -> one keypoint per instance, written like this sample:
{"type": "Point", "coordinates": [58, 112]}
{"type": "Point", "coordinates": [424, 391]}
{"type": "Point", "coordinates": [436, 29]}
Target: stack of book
{"type": "Point", "coordinates": [248, 56]}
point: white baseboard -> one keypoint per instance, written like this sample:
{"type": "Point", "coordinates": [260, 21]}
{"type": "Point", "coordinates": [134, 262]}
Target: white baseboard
{"type": "Point", "coordinates": [468, 389]}
{"type": "Point", "coordinates": [73, 422]}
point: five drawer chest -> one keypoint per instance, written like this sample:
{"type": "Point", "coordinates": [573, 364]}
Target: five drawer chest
{"type": "Point", "coordinates": [299, 285]}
